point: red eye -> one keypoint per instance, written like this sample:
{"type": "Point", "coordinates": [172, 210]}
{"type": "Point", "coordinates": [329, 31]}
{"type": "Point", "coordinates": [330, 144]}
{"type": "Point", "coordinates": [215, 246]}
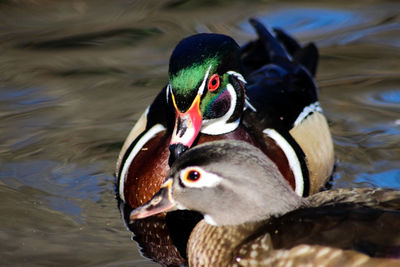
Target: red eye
{"type": "Point", "coordinates": [192, 176]}
{"type": "Point", "coordinates": [213, 83]}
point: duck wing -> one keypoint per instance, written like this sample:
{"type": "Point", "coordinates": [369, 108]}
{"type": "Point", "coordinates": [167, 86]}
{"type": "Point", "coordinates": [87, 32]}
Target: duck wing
{"type": "Point", "coordinates": [280, 80]}
{"type": "Point", "coordinates": [365, 220]}
{"type": "Point", "coordinates": [254, 54]}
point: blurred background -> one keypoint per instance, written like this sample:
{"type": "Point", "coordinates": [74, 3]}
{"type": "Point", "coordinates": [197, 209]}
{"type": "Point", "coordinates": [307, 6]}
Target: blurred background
{"type": "Point", "coordinates": [76, 75]}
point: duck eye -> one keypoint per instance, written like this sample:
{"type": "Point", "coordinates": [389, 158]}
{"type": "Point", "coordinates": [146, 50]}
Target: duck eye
{"type": "Point", "coordinates": [196, 177]}
{"type": "Point", "coordinates": [192, 176]}
{"type": "Point", "coordinates": [213, 83]}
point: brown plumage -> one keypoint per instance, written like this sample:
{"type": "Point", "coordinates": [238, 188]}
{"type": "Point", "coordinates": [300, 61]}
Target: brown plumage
{"type": "Point", "coordinates": [253, 217]}
{"type": "Point", "coordinates": [343, 227]}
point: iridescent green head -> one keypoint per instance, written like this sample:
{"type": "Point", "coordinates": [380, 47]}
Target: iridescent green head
{"type": "Point", "coordinates": [193, 57]}
{"type": "Point", "coordinates": [205, 86]}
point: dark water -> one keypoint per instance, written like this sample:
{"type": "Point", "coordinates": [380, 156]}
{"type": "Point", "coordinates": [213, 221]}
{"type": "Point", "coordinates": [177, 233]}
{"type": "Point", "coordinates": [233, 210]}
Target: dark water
{"type": "Point", "coordinates": [75, 76]}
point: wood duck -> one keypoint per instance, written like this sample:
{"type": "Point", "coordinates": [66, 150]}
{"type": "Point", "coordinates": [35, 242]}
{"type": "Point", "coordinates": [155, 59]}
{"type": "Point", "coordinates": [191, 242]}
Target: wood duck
{"type": "Point", "coordinates": [253, 217]}
{"type": "Point", "coordinates": [263, 93]}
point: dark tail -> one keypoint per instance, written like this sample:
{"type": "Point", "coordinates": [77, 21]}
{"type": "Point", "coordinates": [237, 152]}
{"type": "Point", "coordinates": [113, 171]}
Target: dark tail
{"type": "Point", "coordinates": [280, 46]}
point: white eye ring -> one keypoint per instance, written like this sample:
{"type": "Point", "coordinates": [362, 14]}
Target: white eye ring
{"type": "Point", "coordinates": [206, 179]}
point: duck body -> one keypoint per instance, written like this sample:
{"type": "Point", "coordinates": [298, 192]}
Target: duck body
{"type": "Point", "coordinates": [263, 93]}
{"type": "Point", "coordinates": [338, 232]}
{"type": "Point", "coordinates": [270, 225]}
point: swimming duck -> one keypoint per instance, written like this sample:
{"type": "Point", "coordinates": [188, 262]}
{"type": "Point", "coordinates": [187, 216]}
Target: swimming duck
{"type": "Point", "coordinates": [263, 93]}
{"type": "Point", "coordinates": [252, 215]}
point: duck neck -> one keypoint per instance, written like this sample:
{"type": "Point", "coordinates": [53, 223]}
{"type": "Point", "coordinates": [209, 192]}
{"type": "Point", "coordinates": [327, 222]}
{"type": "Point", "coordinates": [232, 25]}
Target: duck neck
{"type": "Point", "coordinates": [221, 242]}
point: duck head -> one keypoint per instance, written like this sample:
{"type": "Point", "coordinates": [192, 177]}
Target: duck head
{"type": "Point", "coordinates": [229, 182]}
{"type": "Point", "coordinates": [206, 88]}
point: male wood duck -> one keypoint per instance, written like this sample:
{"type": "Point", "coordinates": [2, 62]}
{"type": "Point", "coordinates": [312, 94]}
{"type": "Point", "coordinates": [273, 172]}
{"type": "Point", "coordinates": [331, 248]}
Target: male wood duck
{"type": "Point", "coordinates": [252, 216]}
{"type": "Point", "coordinates": [263, 93]}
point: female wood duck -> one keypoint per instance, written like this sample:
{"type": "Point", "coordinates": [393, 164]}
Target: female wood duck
{"type": "Point", "coordinates": [252, 216]}
{"type": "Point", "coordinates": [263, 94]}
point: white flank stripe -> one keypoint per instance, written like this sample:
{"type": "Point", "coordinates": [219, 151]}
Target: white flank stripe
{"type": "Point", "coordinates": [139, 145]}
{"type": "Point", "coordinates": [220, 125]}
{"type": "Point", "coordinates": [291, 156]}
{"type": "Point", "coordinates": [307, 111]}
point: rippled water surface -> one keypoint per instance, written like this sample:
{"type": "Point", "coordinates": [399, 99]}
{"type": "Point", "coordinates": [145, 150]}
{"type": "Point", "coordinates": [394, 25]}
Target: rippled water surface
{"type": "Point", "coordinates": [76, 75]}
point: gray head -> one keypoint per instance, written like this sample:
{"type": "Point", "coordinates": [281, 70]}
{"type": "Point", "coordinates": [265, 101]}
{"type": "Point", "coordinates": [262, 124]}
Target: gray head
{"type": "Point", "coordinates": [229, 182]}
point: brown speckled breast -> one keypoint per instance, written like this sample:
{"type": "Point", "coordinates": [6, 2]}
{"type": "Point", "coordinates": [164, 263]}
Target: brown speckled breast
{"type": "Point", "coordinates": [147, 171]}
{"type": "Point", "coordinates": [162, 238]}
{"type": "Point", "coordinates": [152, 235]}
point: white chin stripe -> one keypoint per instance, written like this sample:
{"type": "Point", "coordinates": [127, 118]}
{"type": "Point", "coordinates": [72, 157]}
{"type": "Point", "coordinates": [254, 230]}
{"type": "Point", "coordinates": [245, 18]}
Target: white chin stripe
{"type": "Point", "coordinates": [291, 155]}
{"type": "Point", "coordinates": [314, 107]}
{"type": "Point", "coordinates": [139, 145]}
{"type": "Point", "coordinates": [220, 125]}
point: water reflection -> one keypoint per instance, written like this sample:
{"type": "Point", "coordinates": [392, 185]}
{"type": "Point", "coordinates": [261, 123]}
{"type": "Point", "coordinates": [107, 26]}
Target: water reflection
{"type": "Point", "coordinates": [105, 40]}
{"type": "Point", "coordinates": [390, 179]}
{"type": "Point", "coordinates": [390, 98]}
{"type": "Point", "coordinates": [306, 21]}
{"type": "Point", "coordinates": [61, 186]}
{"type": "Point", "coordinates": [75, 75]}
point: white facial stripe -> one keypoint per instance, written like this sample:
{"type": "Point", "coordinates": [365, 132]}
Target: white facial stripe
{"type": "Point", "coordinates": [242, 79]}
{"type": "Point", "coordinates": [206, 179]}
{"type": "Point", "coordinates": [314, 107]}
{"type": "Point", "coordinates": [220, 125]}
{"type": "Point", "coordinates": [237, 75]}
{"type": "Point", "coordinates": [203, 84]}
{"type": "Point", "coordinates": [167, 92]}
{"type": "Point", "coordinates": [291, 156]}
{"type": "Point", "coordinates": [249, 105]}
{"type": "Point", "coordinates": [139, 145]}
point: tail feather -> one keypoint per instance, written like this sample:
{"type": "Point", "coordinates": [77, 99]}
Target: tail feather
{"type": "Point", "coordinates": [308, 57]}
{"type": "Point", "coordinates": [274, 48]}
{"type": "Point", "coordinates": [270, 48]}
